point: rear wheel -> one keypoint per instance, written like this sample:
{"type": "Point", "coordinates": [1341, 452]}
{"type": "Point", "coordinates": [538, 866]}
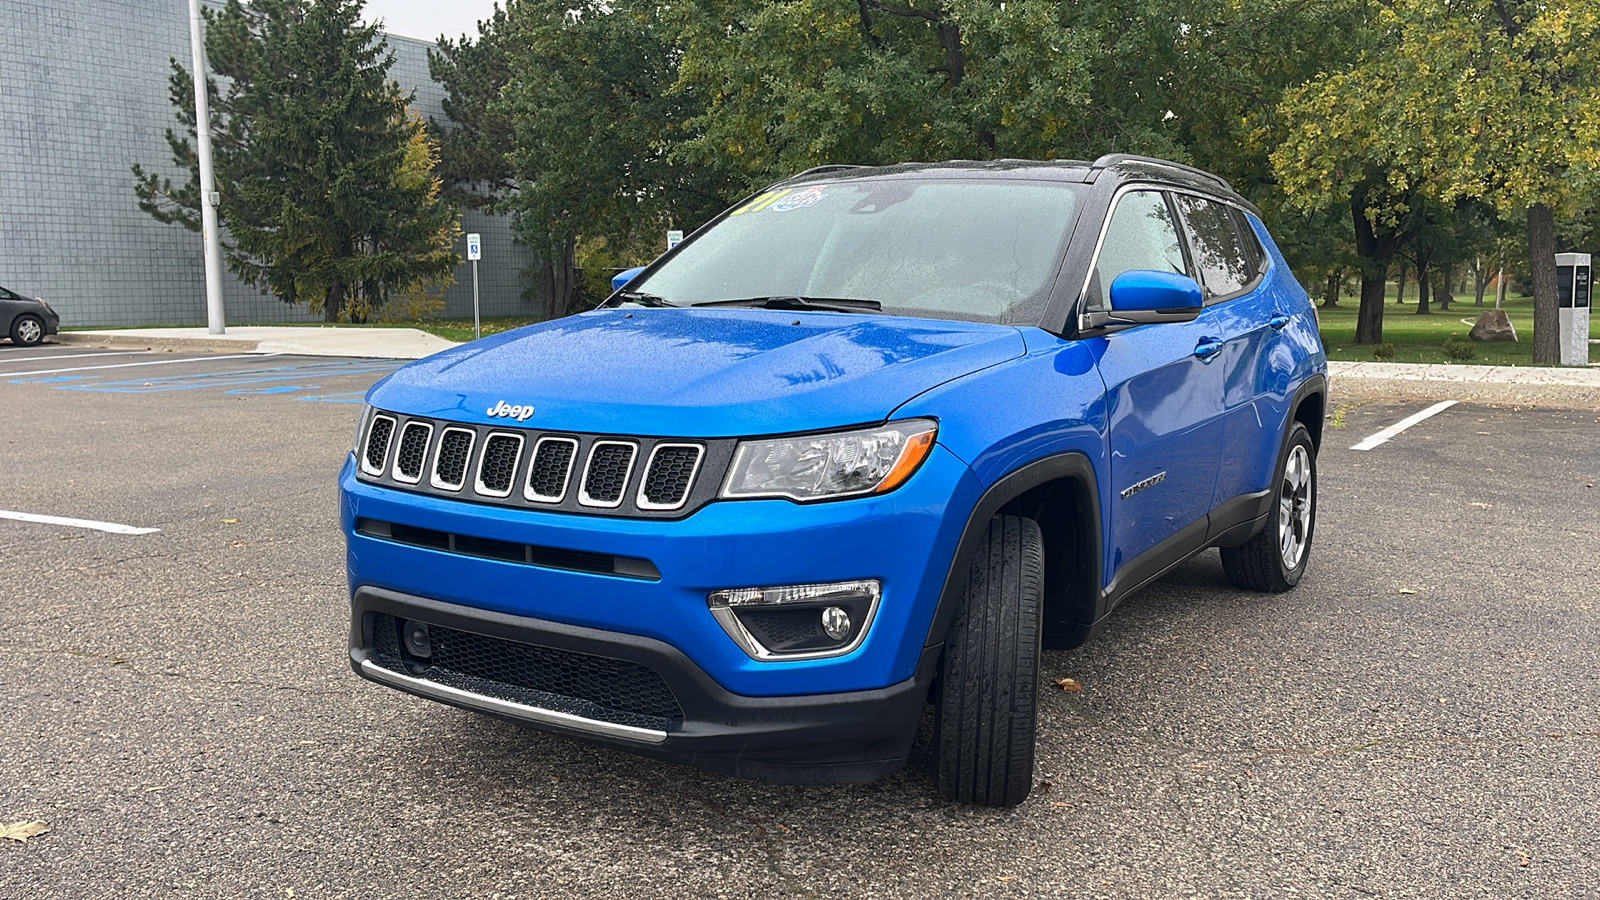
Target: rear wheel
{"type": "Point", "coordinates": [26, 330]}
{"type": "Point", "coordinates": [1275, 559]}
{"type": "Point", "coordinates": [987, 709]}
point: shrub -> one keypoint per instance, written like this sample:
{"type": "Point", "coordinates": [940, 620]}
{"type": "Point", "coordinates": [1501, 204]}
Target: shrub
{"type": "Point", "coordinates": [1383, 351]}
{"type": "Point", "coordinates": [1459, 350]}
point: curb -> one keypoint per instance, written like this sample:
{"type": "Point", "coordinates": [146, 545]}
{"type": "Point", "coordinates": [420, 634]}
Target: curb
{"type": "Point", "coordinates": [127, 342]}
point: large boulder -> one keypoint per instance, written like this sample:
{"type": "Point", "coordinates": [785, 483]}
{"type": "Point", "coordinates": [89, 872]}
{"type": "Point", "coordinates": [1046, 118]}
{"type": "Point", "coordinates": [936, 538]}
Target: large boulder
{"type": "Point", "coordinates": [1493, 325]}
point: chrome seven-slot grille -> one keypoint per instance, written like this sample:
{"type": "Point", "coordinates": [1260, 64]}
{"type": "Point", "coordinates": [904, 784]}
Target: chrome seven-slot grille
{"type": "Point", "coordinates": [599, 474]}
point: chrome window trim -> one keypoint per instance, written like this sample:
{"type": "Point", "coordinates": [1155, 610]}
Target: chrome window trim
{"type": "Point", "coordinates": [477, 476]}
{"type": "Point", "coordinates": [566, 480]}
{"type": "Point", "coordinates": [588, 464]}
{"type": "Point", "coordinates": [427, 444]}
{"type": "Point", "coordinates": [366, 443]}
{"type": "Point", "coordinates": [694, 473]}
{"type": "Point", "coordinates": [433, 472]}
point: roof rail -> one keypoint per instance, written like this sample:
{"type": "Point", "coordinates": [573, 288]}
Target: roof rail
{"type": "Point", "coordinates": [1111, 159]}
{"type": "Point", "coordinates": [834, 167]}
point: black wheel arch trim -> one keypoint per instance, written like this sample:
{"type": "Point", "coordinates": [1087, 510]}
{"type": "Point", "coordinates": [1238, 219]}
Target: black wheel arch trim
{"type": "Point", "coordinates": [1071, 466]}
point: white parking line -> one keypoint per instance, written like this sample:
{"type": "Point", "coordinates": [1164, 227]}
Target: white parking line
{"type": "Point", "coordinates": [111, 527]}
{"type": "Point", "coordinates": [7, 359]}
{"type": "Point", "coordinates": [160, 362]}
{"type": "Point", "coordinates": [1383, 436]}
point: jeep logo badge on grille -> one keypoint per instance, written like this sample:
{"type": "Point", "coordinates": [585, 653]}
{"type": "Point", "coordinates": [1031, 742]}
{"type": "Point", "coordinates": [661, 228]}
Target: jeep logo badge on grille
{"type": "Point", "coordinates": [502, 410]}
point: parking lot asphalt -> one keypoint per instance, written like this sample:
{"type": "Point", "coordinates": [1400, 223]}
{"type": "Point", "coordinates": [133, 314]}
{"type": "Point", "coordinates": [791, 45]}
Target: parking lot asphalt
{"type": "Point", "coordinates": [1419, 718]}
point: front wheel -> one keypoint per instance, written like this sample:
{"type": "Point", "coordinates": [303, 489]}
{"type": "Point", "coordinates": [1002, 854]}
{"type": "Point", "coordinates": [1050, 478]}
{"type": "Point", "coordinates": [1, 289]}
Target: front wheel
{"type": "Point", "coordinates": [987, 709]}
{"type": "Point", "coordinates": [27, 331]}
{"type": "Point", "coordinates": [1275, 559]}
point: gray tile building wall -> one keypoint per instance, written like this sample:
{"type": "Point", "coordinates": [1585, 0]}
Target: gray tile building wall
{"type": "Point", "coordinates": [83, 96]}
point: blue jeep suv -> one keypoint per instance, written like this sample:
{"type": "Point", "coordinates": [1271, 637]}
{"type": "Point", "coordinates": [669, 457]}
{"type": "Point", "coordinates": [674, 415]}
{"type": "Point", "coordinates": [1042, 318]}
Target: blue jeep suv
{"type": "Point", "coordinates": [865, 442]}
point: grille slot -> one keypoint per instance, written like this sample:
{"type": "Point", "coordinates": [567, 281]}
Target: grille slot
{"type": "Point", "coordinates": [377, 449]}
{"type": "Point", "coordinates": [550, 469]}
{"type": "Point", "coordinates": [413, 452]}
{"type": "Point", "coordinates": [498, 465]}
{"type": "Point", "coordinates": [450, 464]}
{"type": "Point", "coordinates": [669, 475]}
{"type": "Point", "coordinates": [507, 551]}
{"type": "Point", "coordinates": [592, 687]}
{"type": "Point", "coordinates": [606, 476]}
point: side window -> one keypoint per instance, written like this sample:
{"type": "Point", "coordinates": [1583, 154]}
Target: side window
{"type": "Point", "coordinates": [1218, 253]}
{"type": "Point", "coordinates": [1142, 235]}
{"type": "Point", "coordinates": [5, 294]}
{"type": "Point", "coordinates": [1252, 244]}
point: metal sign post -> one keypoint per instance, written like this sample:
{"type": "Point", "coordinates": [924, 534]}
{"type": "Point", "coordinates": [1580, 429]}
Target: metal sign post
{"type": "Point", "coordinates": [209, 199]}
{"type": "Point", "coordinates": [475, 253]}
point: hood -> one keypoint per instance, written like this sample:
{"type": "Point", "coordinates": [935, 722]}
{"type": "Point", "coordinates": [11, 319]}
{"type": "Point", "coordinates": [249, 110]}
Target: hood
{"type": "Point", "coordinates": [698, 373]}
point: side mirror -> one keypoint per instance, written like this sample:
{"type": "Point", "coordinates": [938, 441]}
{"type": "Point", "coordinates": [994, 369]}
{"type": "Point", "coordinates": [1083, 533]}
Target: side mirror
{"type": "Point", "coordinates": [1144, 295]}
{"type": "Point", "coordinates": [621, 279]}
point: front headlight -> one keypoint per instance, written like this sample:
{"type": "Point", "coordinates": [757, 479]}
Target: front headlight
{"type": "Point", "coordinates": [831, 466]}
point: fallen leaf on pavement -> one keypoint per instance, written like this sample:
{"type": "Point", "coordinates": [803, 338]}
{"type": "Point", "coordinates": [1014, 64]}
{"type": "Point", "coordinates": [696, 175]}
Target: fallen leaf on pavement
{"type": "Point", "coordinates": [230, 521]}
{"type": "Point", "coordinates": [21, 831]}
{"type": "Point", "coordinates": [1407, 591]}
{"type": "Point", "coordinates": [1070, 685]}
{"type": "Point", "coordinates": [1007, 878]}
{"type": "Point", "coordinates": [1064, 805]}
{"type": "Point", "coordinates": [1524, 859]}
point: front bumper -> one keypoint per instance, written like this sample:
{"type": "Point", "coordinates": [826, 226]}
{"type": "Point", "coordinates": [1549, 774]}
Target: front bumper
{"type": "Point", "coordinates": [812, 739]}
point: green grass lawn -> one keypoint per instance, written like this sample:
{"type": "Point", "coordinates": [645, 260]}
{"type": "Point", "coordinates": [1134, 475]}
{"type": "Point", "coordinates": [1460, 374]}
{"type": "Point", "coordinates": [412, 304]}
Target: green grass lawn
{"type": "Point", "coordinates": [1420, 339]}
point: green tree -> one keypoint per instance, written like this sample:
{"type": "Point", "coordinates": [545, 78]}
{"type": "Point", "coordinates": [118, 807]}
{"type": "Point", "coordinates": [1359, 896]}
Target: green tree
{"type": "Point", "coordinates": [1488, 99]}
{"type": "Point", "coordinates": [312, 144]}
{"type": "Point", "coordinates": [793, 84]}
{"type": "Point", "coordinates": [594, 120]}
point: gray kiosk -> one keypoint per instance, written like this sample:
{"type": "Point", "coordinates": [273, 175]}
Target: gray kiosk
{"type": "Point", "coordinates": [1573, 289]}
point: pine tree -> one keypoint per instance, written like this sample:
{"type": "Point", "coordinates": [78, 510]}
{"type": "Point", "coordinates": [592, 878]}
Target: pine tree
{"type": "Point", "coordinates": [311, 142]}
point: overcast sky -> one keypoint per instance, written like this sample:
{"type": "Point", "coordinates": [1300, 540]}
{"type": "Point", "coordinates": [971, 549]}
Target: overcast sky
{"type": "Point", "coordinates": [427, 19]}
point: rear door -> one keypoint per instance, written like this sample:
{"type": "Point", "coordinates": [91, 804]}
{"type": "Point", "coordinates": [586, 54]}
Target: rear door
{"type": "Point", "coordinates": [1244, 318]}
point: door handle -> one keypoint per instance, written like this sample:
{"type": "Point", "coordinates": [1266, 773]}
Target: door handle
{"type": "Point", "coordinates": [1279, 320]}
{"type": "Point", "coordinates": [1207, 348]}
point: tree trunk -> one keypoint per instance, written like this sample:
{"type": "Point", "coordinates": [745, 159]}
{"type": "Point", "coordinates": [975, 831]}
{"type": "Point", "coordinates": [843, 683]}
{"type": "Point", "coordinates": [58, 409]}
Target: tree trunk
{"type": "Point", "coordinates": [1479, 283]}
{"type": "Point", "coordinates": [1542, 263]}
{"type": "Point", "coordinates": [333, 304]}
{"type": "Point", "coordinates": [1400, 294]}
{"type": "Point", "coordinates": [1500, 287]}
{"type": "Point", "coordinates": [1330, 294]}
{"type": "Point", "coordinates": [1375, 253]}
{"type": "Point", "coordinates": [1442, 293]}
{"type": "Point", "coordinates": [1369, 319]}
{"type": "Point", "coordinates": [1424, 285]}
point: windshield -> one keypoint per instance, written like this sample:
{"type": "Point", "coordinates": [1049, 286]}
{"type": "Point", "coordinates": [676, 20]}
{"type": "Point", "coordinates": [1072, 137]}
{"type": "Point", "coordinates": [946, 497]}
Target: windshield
{"type": "Point", "coordinates": [982, 250]}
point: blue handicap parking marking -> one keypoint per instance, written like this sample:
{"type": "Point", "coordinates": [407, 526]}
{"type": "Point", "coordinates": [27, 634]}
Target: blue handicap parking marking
{"type": "Point", "coordinates": [357, 397]}
{"type": "Point", "coordinates": [272, 378]}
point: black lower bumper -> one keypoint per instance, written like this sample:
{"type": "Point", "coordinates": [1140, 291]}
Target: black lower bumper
{"type": "Point", "coordinates": [813, 739]}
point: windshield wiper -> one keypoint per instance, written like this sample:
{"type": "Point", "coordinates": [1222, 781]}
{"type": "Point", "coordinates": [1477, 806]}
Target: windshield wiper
{"type": "Point", "coordinates": [831, 304]}
{"type": "Point", "coordinates": [643, 299]}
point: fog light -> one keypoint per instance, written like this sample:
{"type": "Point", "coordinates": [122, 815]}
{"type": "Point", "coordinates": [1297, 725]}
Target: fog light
{"type": "Point", "coordinates": [798, 621]}
{"type": "Point", "coordinates": [836, 622]}
{"type": "Point", "coordinates": [419, 642]}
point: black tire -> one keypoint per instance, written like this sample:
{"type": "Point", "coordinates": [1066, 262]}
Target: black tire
{"type": "Point", "coordinates": [1265, 563]}
{"type": "Point", "coordinates": [987, 708]}
{"type": "Point", "coordinates": [27, 330]}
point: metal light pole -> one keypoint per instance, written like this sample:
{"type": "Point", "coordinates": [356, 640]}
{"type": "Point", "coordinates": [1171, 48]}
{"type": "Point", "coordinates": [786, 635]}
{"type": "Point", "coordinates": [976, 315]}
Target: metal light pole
{"type": "Point", "coordinates": [209, 198]}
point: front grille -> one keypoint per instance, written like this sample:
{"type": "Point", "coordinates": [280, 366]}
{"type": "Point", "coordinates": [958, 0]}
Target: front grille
{"type": "Point", "coordinates": [551, 469]}
{"type": "Point", "coordinates": [377, 449]}
{"type": "Point", "coordinates": [669, 475]}
{"type": "Point", "coordinates": [592, 687]}
{"type": "Point", "coordinates": [639, 477]}
{"type": "Point", "coordinates": [606, 477]}
{"type": "Point", "coordinates": [499, 464]}
{"type": "Point", "coordinates": [450, 467]}
{"type": "Point", "coordinates": [413, 452]}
